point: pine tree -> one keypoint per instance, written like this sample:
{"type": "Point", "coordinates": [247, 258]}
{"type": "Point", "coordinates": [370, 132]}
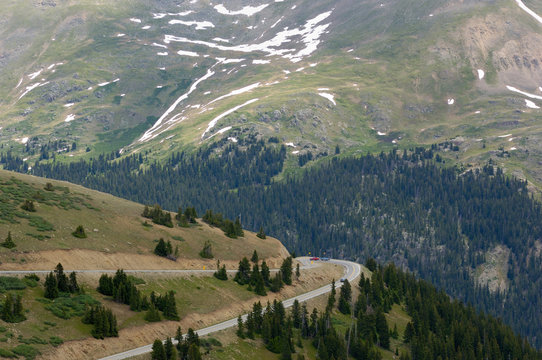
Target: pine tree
{"type": "Point", "coordinates": [266, 274]}
{"type": "Point", "coordinates": [158, 351]}
{"type": "Point", "coordinates": [61, 279]}
{"type": "Point", "coordinates": [297, 271]}
{"type": "Point", "coordinates": [7, 309]}
{"type": "Point", "coordinates": [171, 353]}
{"type": "Point", "coordinates": [296, 314]}
{"type": "Point", "coordinates": [18, 311]}
{"type": "Point", "coordinates": [261, 233]}
{"type": "Point", "coordinates": [254, 257]}
{"type": "Point", "coordinates": [382, 330]}
{"type": "Point", "coordinates": [345, 297]}
{"type": "Point", "coordinates": [243, 272]}
{"type": "Point", "coordinates": [286, 270]}
{"type": "Point", "coordinates": [79, 232]}
{"type": "Point", "coordinates": [161, 248]}
{"type": "Point", "coordinates": [28, 205]}
{"type": "Point", "coordinates": [193, 352]}
{"type": "Point", "coordinates": [207, 251]}
{"type": "Point", "coordinates": [152, 315]}
{"type": "Point", "coordinates": [9, 243]}
{"type": "Point", "coordinates": [238, 228]}
{"type": "Point", "coordinates": [277, 283]}
{"type": "Point", "coordinates": [170, 307]}
{"type": "Point", "coordinates": [240, 328]}
{"type": "Point", "coordinates": [51, 286]}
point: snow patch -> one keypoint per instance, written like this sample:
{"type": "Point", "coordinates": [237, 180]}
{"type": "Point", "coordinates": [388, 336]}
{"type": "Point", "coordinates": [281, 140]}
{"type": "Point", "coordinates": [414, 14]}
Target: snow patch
{"type": "Point", "coordinates": [158, 15]}
{"type": "Point", "coordinates": [232, 61]}
{"type": "Point", "coordinates": [35, 75]}
{"type": "Point", "coordinates": [31, 87]}
{"type": "Point", "coordinates": [290, 144]}
{"type": "Point", "coordinates": [529, 11]}
{"type": "Point", "coordinates": [149, 134]}
{"type": "Point", "coordinates": [295, 152]}
{"type": "Point", "coordinates": [120, 35]}
{"type": "Point", "coordinates": [162, 53]}
{"type": "Point", "coordinates": [221, 40]}
{"type": "Point", "coordinates": [24, 140]}
{"type": "Point", "coordinates": [379, 133]}
{"type": "Point", "coordinates": [247, 10]}
{"type": "Point", "coordinates": [451, 101]}
{"type": "Point", "coordinates": [159, 45]}
{"type": "Point", "coordinates": [69, 118]}
{"type": "Point", "coordinates": [279, 20]}
{"type": "Point", "coordinates": [328, 96]}
{"type": "Point", "coordinates": [481, 74]}
{"type": "Point", "coordinates": [206, 93]}
{"type": "Point", "coordinates": [135, 20]}
{"type": "Point", "coordinates": [323, 89]}
{"type": "Point", "coordinates": [146, 27]}
{"type": "Point", "coordinates": [187, 53]}
{"type": "Point", "coordinates": [216, 119]}
{"type": "Point", "coordinates": [260, 62]}
{"type": "Point", "coordinates": [19, 83]}
{"type": "Point", "coordinates": [200, 25]}
{"type": "Point", "coordinates": [477, 112]}
{"type": "Point", "coordinates": [505, 136]}
{"type": "Point", "coordinates": [232, 139]}
{"type": "Point", "coordinates": [532, 96]}
{"type": "Point", "coordinates": [68, 105]}
{"type": "Point", "coordinates": [531, 104]}
{"type": "Point", "coordinates": [236, 92]}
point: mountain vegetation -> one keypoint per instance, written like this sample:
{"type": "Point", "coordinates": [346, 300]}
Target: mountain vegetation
{"type": "Point", "coordinates": [440, 222]}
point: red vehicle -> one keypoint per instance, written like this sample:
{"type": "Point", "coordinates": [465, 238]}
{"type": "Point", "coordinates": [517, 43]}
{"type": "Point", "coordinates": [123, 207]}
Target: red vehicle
{"type": "Point", "coordinates": [315, 258]}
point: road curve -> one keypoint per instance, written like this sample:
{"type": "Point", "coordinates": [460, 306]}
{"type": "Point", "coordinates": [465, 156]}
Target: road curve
{"type": "Point", "coordinates": [351, 272]}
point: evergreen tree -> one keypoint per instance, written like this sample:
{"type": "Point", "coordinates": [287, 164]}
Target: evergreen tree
{"type": "Point", "coordinates": [220, 273]}
{"type": "Point", "coordinates": [170, 307]}
{"type": "Point", "coordinates": [152, 315]}
{"type": "Point", "coordinates": [28, 205]}
{"type": "Point", "coordinates": [171, 353]}
{"type": "Point", "coordinates": [79, 232]}
{"type": "Point", "coordinates": [193, 352]}
{"type": "Point", "coordinates": [240, 328]}
{"type": "Point", "coordinates": [277, 283]}
{"type": "Point", "coordinates": [161, 248]}
{"type": "Point", "coordinates": [73, 287]}
{"type": "Point", "coordinates": [158, 351]}
{"type": "Point", "coordinates": [254, 257]}
{"type": "Point", "coordinates": [238, 228]}
{"type": "Point", "coordinates": [7, 309]}
{"type": "Point", "coordinates": [345, 297]}
{"type": "Point", "coordinates": [297, 271]}
{"type": "Point", "coordinates": [207, 251]}
{"type": "Point", "coordinates": [286, 270]}
{"type": "Point", "coordinates": [266, 274]}
{"type": "Point", "coordinates": [261, 233]}
{"type": "Point", "coordinates": [296, 314]}
{"type": "Point", "coordinates": [382, 330]}
{"type": "Point", "coordinates": [9, 243]}
{"type": "Point", "coordinates": [242, 276]}
{"type": "Point", "coordinates": [51, 286]}
{"type": "Point", "coordinates": [61, 279]}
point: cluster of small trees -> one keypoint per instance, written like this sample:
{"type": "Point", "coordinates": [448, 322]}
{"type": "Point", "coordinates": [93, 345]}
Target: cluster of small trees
{"type": "Point", "coordinates": [8, 243]}
{"type": "Point", "coordinates": [12, 309]}
{"type": "Point", "coordinates": [28, 205]}
{"type": "Point", "coordinates": [57, 282]}
{"type": "Point", "coordinates": [157, 215]}
{"type": "Point", "coordinates": [124, 291]}
{"type": "Point", "coordinates": [257, 279]}
{"type": "Point", "coordinates": [104, 321]}
{"type": "Point", "coordinates": [230, 228]}
{"type": "Point", "coordinates": [187, 347]}
{"type": "Point", "coordinates": [165, 249]}
{"type": "Point", "coordinates": [186, 217]}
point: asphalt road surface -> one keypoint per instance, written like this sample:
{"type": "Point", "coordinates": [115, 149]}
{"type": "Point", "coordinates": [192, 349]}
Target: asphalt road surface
{"type": "Point", "coordinates": [351, 272]}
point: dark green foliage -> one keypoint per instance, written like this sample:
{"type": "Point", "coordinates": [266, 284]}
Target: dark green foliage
{"type": "Point", "coordinates": [266, 274]}
{"type": "Point", "coordinates": [240, 328]}
{"type": "Point", "coordinates": [286, 270]}
{"type": "Point", "coordinates": [67, 307]}
{"type": "Point", "coordinates": [345, 298]}
{"type": "Point", "coordinates": [11, 283]}
{"type": "Point", "coordinates": [51, 286]}
{"type": "Point", "coordinates": [254, 257]}
{"type": "Point", "coordinates": [242, 276]}
{"type": "Point", "coordinates": [231, 229]}
{"type": "Point", "coordinates": [220, 273]}
{"type": "Point", "coordinates": [276, 283]}
{"type": "Point", "coordinates": [157, 215]}
{"type": "Point", "coordinates": [12, 309]}
{"type": "Point", "coordinates": [123, 290]}
{"type": "Point", "coordinates": [191, 215]}
{"type": "Point", "coordinates": [207, 251]}
{"type": "Point", "coordinates": [7, 354]}
{"type": "Point", "coordinates": [56, 341]}
{"type": "Point", "coordinates": [104, 321]}
{"type": "Point", "coordinates": [370, 264]}
{"type": "Point", "coordinates": [8, 243]}
{"type": "Point", "coordinates": [261, 233]}
{"type": "Point", "coordinates": [79, 232]}
{"type": "Point", "coordinates": [426, 213]}
{"type": "Point", "coordinates": [158, 351]}
{"type": "Point", "coordinates": [28, 205]}
{"type": "Point", "coordinates": [164, 249]}
{"type": "Point", "coordinates": [153, 314]}
{"type": "Point", "coordinates": [49, 187]}
{"type": "Point", "coordinates": [27, 351]}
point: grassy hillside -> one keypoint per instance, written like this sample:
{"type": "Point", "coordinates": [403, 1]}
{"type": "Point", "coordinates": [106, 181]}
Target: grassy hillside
{"type": "Point", "coordinates": [117, 234]}
{"type": "Point", "coordinates": [372, 75]}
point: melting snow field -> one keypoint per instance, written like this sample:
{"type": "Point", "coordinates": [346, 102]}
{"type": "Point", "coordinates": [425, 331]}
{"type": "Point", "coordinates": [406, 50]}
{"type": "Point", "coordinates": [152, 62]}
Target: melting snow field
{"type": "Point", "coordinates": [529, 11]}
{"type": "Point", "coordinates": [187, 53]}
{"type": "Point", "coordinates": [69, 118]}
{"type": "Point", "coordinates": [224, 114]}
{"type": "Point", "coordinates": [24, 140]}
{"type": "Point", "coordinates": [247, 10]}
{"type": "Point", "coordinates": [531, 104]}
{"type": "Point", "coordinates": [328, 96]}
{"type": "Point", "coordinates": [505, 136]}
{"type": "Point", "coordinates": [379, 133]}
{"type": "Point", "coordinates": [200, 25]}
{"type": "Point", "coordinates": [481, 74]}
{"type": "Point", "coordinates": [260, 62]}
{"type": "Point", "coordinates": [236, 92]}
{"type": "Point", "coordinates": [532, 96]}
{"type": "Point", "coordinates": [451, 101]}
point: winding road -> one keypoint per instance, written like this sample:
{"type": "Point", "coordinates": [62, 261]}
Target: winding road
{"type": "Point", "coordinates": [351, 272]}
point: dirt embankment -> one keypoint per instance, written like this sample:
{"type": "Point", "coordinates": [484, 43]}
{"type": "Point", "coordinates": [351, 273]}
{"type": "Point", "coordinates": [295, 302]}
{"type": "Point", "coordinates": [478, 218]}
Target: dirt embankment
{"type": "Point", "coordinates": [82, 259]}
{"type": "Point", "coordinates": [133, 337]}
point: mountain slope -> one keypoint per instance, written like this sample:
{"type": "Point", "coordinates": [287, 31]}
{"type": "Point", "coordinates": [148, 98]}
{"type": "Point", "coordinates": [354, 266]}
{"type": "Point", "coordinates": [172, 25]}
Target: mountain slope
{"type": "Point", "coordinates": [364, 74]}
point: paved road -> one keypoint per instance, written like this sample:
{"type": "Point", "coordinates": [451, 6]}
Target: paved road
{"type": "Point", "coordinates": [351, 272]}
